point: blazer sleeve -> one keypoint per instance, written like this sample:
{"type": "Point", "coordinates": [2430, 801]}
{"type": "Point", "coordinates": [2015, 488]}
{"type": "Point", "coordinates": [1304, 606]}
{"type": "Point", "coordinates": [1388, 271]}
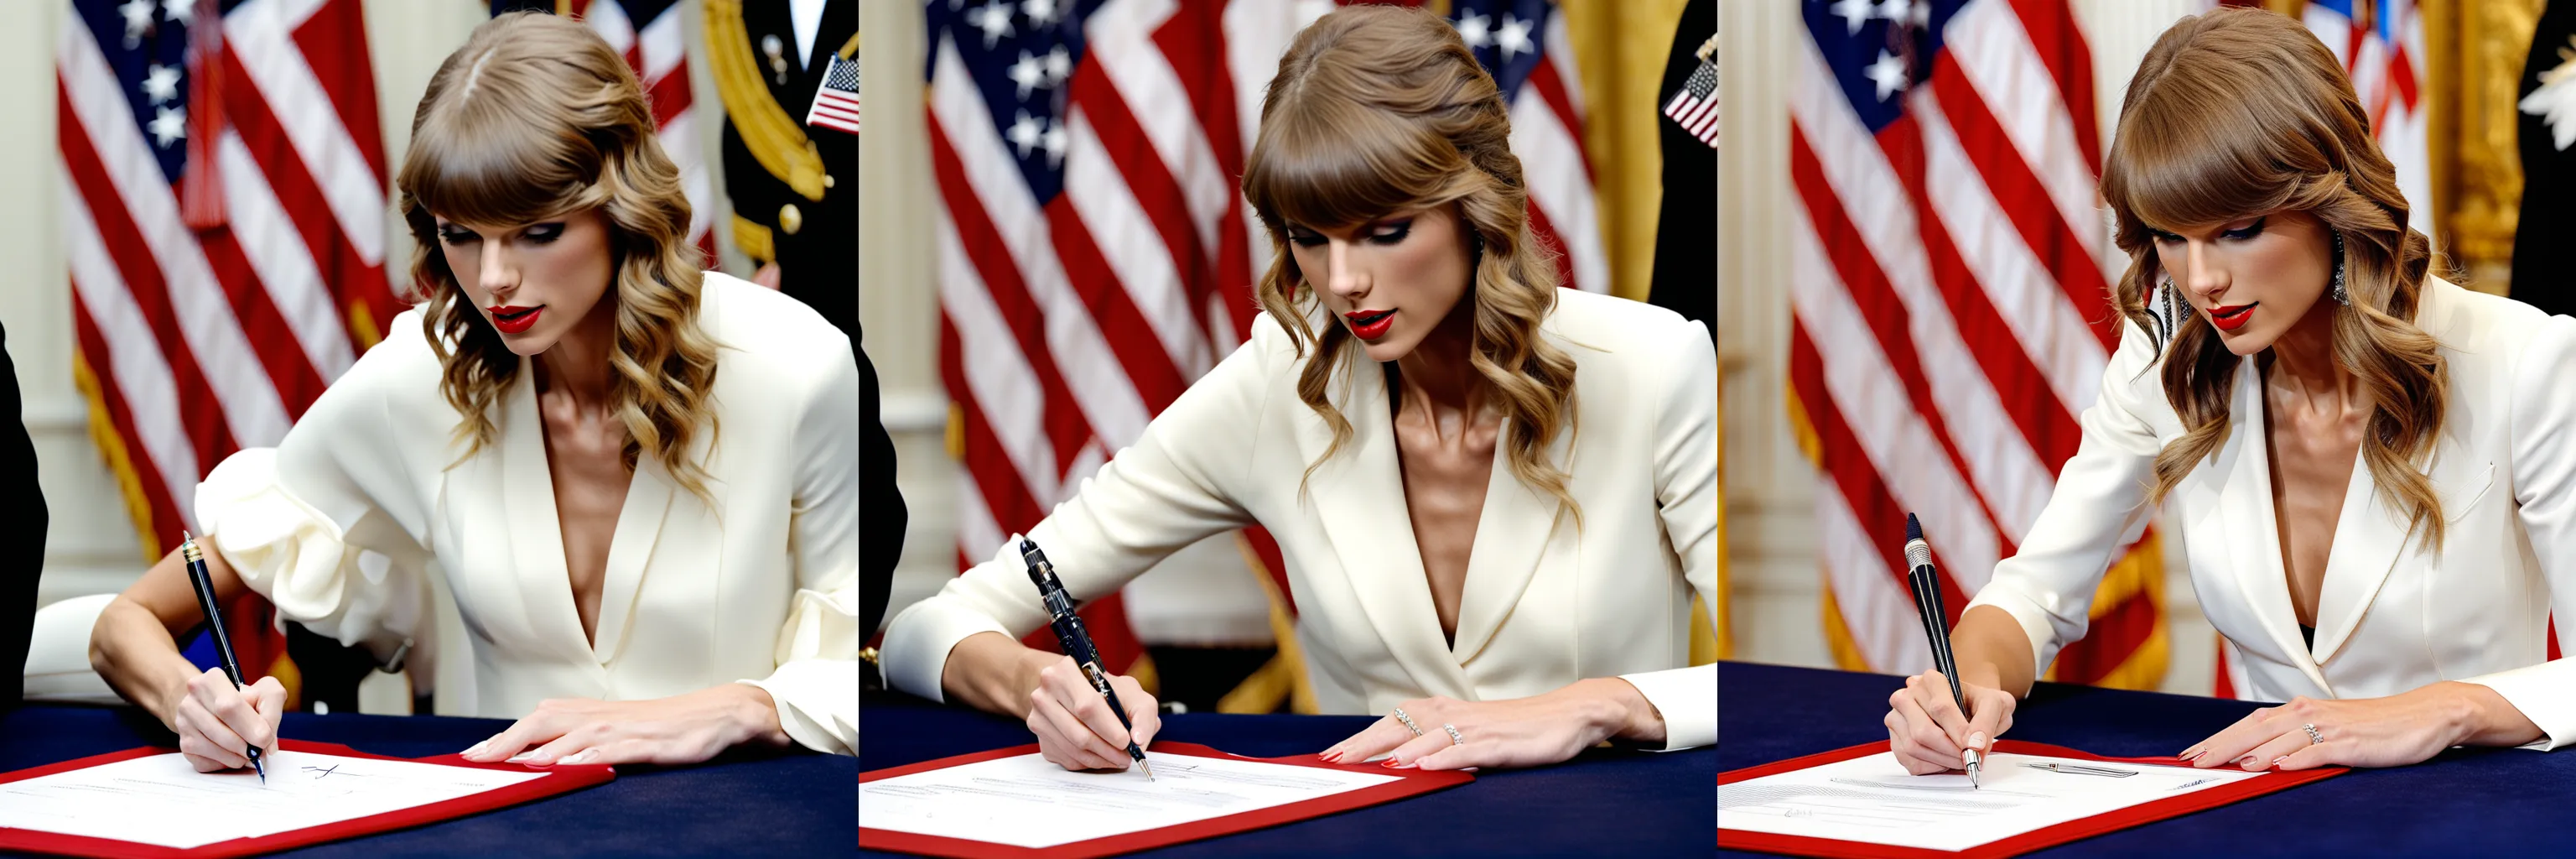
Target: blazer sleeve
{"type": "Point", "coordinates": [816, 683]}
{"type": "Point", "coordinates": [327, 524]}
{"type": "Point", "coordinates": [2544, 485]}
{"type": "Point", "coordinates": [2100, 500]}
{"type": "Point", "coordinates": [1686, 498]}
{"type": "Point", "coordinates": [1175, 486]}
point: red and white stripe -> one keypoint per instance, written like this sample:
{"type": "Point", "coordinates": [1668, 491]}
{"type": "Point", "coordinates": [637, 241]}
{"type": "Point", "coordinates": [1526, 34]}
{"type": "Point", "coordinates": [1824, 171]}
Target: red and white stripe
{"type": "Point", "coordinates": [204, 343]}
{"type": "Point", "coordinates": [1950, 310]}
{"type": "Point", "coordinates": [1547, 134]}
{"type": "Point", "coordinates": [658, 51]}
{"type": "Point", "coordinates": [2390, 79]}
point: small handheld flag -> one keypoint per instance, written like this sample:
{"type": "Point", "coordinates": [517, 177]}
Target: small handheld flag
{"type": "Point", "coordinates": [836, 104]}
{"type": "Point", "coordinates": [1695, 107]}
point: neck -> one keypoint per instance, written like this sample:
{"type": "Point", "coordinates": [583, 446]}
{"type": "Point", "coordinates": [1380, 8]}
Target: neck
{"type": "Point", "coordinates": [2303, 360]}
{"type": "Point", "coordinates": [1437, 374]}
{"type": "Point", "coordinates": [577, 365]}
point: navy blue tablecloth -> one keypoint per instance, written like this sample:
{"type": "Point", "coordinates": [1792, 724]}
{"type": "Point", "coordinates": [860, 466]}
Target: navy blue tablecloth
{"type": "Point", "coordinates": [1604, 802]}
{"type": "Point", "coordinates": [744, 803]}
{"type": "Point", "coordinates": [2464, 802]}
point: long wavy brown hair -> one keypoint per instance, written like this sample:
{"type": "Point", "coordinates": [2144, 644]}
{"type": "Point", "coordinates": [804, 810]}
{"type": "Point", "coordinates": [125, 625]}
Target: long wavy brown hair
{"type": "Point", "coordinates": [2239, 112]}
{"type": "Point", "coordinates": [536, 118]}
{"type": "Point", "coordinates": [1378, 110]}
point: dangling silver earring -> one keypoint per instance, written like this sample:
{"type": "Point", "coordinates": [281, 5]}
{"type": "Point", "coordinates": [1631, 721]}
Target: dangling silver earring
{"type": "Point", "coordinates": [2173, 309]}
{"type": "Point", "coordinates": [2340, 296]}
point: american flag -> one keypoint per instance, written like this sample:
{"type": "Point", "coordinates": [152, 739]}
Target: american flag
{"type": "Point", "coordinates": [2381, 44]}
{"type": "Point", "coordinates": [1950, 309]}
{"type": "Point", "coordinates": [196, 342]}
{"type": "Point", "coordinates": [1095, 255]}
{"type": "Point", "coordinates": [649, 34]}
{"type": "Point", "coordinates": [1695, 107]}
{"type": "Point", "coordinates": [836, 105]}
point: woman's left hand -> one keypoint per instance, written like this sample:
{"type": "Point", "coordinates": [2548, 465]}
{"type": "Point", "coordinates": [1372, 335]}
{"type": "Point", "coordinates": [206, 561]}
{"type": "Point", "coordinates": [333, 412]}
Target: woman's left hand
{"type": "Point", "coordinates": [1517, 732]}
{"type": "Point", "coordinates": [2365, 732]}
{"type": "Point", "coordinates": [681, 729]}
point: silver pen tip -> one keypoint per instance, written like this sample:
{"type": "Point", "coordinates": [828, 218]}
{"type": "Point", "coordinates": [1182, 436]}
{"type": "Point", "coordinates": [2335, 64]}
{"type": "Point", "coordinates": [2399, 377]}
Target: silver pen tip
{"type": "Point", "coordinates": [1149, 770]}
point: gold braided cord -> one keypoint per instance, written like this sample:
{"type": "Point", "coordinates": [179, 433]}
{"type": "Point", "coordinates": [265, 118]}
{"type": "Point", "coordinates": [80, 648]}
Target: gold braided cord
{"type": "Point", "coordinates": [774, 138]}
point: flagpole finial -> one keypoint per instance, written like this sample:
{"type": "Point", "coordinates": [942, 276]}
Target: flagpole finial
{"type": "Point", "coordinates": [1707, 48]}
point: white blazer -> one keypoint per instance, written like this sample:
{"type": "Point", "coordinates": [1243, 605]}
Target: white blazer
{"type": "Point", "coordinates": [1545, 604]}
{"type": "Point", "coordinates": [344, 521]}
{"type": "Point", "coordinates": [2394, 614]}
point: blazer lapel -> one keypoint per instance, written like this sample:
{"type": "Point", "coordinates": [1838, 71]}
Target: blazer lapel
{"type": "Point", "coordinates": [536, 535]}
{"type": "Point", "coordinates": [1358, 496]}
{"type": "Point", "coordinates": [1509, 544]}
{"type": "Point", "coordinates": [2253, 533]}
{"type": "Point", "coordinates": [2368, 537]}
{"type": "Point", "coordinates": [630, 547]}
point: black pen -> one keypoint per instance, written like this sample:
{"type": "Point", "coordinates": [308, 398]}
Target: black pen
{"type": "Point", "coordinates": [1077, 641]}
{"type": "Point", "coordinates": [205, 583]}
{"type": "Point", "coordinates": [1926, 583]}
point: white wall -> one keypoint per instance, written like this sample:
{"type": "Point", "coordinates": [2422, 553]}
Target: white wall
{"type": "Point", "coordinates": [1777, 599]}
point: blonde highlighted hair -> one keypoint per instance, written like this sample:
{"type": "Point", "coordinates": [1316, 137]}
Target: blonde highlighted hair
{"type": "Point", "coordinates": [1378, 110]}
{"type": "Point", "coordinates": [2239, 112]}
{"type": "Point", "coordinates": [534, 119]}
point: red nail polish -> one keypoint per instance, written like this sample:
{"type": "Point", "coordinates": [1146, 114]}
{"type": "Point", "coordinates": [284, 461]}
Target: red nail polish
{"type": "Point", "coordinates": [1389, 763]}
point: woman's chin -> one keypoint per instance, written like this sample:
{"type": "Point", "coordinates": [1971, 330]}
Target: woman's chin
{"type": "Point", "coordinates": [527, 345]}
{"type": "Point", "coordinates": [2247, 343]}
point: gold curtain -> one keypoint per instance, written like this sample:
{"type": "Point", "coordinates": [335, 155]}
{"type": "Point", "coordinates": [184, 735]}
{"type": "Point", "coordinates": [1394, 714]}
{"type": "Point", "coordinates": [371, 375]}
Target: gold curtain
{"type": "Point", "coordinates": [1619, 50]}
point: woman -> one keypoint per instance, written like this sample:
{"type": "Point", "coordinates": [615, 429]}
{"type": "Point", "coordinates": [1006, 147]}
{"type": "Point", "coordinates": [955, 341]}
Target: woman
{"type": "Point", "coordinates": [1495, 498]}
{"type": "Point", "coordinates": [637, 479]}
{"type": "Point", "coordinates": [2371, 467]}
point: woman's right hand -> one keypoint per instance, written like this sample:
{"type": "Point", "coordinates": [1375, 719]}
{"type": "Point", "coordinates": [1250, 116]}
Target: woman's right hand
{"type": "Point", "coordinates": [1930, 735]}
{"type": "Point", "coordinates": [1075, 727]}
{"type": "Point", "coordinates": [218, 724]}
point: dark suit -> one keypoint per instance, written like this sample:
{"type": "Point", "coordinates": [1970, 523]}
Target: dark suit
{"type": "Point", "coordinates": [1686, 231]}
{"type": "Point", "coordinates": [22, 535]}
{"type": "Point", "coordinates": [881, 512]}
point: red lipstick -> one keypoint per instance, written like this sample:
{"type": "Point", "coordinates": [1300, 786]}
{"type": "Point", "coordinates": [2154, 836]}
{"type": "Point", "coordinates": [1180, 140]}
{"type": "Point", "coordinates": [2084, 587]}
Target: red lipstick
{"type": "Point", "coordinates": [1370, 324]}
{"type": "Point", "coordinates": [2232, 317]}
{"type": "Point", "coordinates": [515, 320]}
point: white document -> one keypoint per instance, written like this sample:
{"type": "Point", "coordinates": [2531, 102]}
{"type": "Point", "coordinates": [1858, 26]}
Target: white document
{"type": "Point", "coordinates": [161, 800]}
{"type": "Point", "coordinates": [1027, 802]}
{"type": "Point", "coordinates": [1872, 799]}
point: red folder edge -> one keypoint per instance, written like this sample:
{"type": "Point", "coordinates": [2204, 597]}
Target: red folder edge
{"type": "Point", "coordinates": [559, 779]}
{"type": "Point", "coordinates": [2072, 830]}
{"type": "Point", "coordinates": [1409, 782]}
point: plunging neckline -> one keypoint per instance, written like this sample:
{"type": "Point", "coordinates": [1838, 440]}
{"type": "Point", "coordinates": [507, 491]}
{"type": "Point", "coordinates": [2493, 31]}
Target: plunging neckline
{"type": "Point", "coordinates": [2272, 503]}
{"type": "Point", "coordinates": [537, 541]}
{"type": "Point", "coordinates": [1392, 378]}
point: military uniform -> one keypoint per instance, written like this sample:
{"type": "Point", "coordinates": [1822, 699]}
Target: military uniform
{"type": "Point", "coordinates": [795, 194]}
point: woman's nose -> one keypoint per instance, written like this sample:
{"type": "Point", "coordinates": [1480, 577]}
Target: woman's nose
{"type": "Point", "coordinates": [1345, 280]}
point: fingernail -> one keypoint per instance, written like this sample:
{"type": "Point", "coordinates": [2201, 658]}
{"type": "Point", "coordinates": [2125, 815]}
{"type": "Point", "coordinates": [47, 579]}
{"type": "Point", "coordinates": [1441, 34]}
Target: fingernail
{"type": "Point", "coordinates": [477, 749]}
{"type": "Point", "coordinates": [584, 757]}
{"type": "Point", "coordinates": [1977, 740]}
{"type": "Point", "coordinates": [2191, 754]}
{"type": "Point", "coordinates": [2247, 762]}
{"type": "Point", "coordinates": [1389, 763]}
{"type": "Point", "coordinates": [2277, 761]}
{"type": "Point", "coordinates": [521, 757]}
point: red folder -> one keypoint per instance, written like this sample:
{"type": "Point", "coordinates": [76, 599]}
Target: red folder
{"type": "Point", "coordinates": [559, 779]}
{"type": "Point", "coordinates": [2073, 830]}
{"type": "Point", "coordinates": [1409, 782]}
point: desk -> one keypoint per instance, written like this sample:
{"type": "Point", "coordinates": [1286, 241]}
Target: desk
{"type": "Point", "coordinates": [2464, 802]}
{"type": "Point", "coordinates": [1608, 802]}
{"type": "Point", "coordinates": [744, 803]}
